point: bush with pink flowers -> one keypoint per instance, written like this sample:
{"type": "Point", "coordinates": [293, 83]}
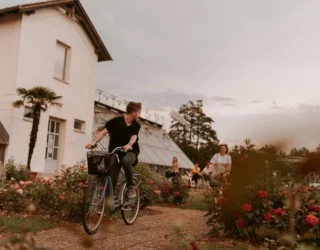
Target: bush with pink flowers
{"type": "Point", "coordinates": [60, 196]}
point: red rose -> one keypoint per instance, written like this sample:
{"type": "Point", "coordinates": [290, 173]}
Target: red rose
{"type": "Point", "coordinates": [226, 193]}
{"type": "Point", "coordinates": [194, 246]}
{"type": "Point", "coordinates": [311, 220]}
{"type": "Point", "coordinates": [42, 180]}
{"type": "Point", "coordinates": [246, 208]}
{"type": "Point", "coordinates": [279, 212]}
{"type": "Point", "coordinates": [267, 216]}
{"type": "Point", "coordinates": [240, 223]}
{"type": "Point", "coordinates": [311, 188]}
{"type": "Point", "coordinates": [176, 194]}
{"type": "Point", "coordinates": [262, 194]}
{"type": "Point", "coordinates": [314, 209]}
{"type": "Point", "coordinates": [221, 202]}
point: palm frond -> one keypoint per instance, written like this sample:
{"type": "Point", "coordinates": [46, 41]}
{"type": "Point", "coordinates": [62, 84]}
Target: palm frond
{"type": "Point", "coordinates": [38, 95]}
{"type": "Point", "coordinates": [18, 104]}
{"type": "Point", "coordinates": [22, 92]}
{"type": "Point", "coordinates": [56, 104]}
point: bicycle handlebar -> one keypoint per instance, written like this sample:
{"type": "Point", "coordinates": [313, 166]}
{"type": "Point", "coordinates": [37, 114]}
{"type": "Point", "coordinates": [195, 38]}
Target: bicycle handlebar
{"type": "Point", "coordinates": [120, 149]}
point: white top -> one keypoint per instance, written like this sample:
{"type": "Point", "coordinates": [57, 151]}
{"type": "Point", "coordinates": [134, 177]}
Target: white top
{"type": "Point", "coordinates": [220, 162]}
{"type": "Point", "coordinates": [207, 170]}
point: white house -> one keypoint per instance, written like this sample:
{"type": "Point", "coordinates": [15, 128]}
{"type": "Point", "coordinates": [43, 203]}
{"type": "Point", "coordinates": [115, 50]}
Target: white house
{"type": "Point", "coordinates": [52, 44]}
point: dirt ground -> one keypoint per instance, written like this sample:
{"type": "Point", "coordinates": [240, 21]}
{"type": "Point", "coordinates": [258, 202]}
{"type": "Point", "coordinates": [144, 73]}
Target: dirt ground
{"type": "Point", "coordinates": [155, 228]}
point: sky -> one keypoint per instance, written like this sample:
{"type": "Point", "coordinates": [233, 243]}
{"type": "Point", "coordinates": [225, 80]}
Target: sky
{"type": "Point", "coordinates": [254, 63]}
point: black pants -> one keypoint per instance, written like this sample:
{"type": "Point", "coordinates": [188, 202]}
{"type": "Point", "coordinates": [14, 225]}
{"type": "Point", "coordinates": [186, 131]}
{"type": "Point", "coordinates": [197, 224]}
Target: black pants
{"type": "Point", "coordinates": [126, 161]}
{"type": "Point", "coordinates": [195, 178]}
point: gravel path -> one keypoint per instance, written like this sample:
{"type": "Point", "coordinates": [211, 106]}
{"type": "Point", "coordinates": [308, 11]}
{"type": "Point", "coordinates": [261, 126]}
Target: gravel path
{"type": "Point", "coordinates": [154, 229]}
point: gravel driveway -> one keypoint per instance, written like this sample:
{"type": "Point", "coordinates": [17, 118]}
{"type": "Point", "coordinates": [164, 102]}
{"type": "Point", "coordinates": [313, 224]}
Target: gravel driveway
{"type": "Point", "coordinates": [154, 229]}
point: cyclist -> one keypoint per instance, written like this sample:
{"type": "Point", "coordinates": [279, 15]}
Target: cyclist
{"type": "Point", "coordinates": [124, 131]}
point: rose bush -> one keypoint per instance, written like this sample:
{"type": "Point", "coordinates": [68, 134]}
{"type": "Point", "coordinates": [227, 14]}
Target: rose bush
{"type": "Point", "coordinates": [263, 203]}
{"type": "Point", "coordinates": [175, 192]}
{"type": "Point", "coordinates": [16, 172]}
{"type": "Point", "coordinates": [60, 196]}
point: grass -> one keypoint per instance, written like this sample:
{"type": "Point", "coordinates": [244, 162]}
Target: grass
{"type": "Point", "coordinates": [196, 201]}
{"type": "Point", "coordinates": [20, 224]}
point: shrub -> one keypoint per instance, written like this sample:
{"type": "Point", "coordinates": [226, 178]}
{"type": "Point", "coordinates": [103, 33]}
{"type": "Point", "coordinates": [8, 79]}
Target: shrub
{"type": "Point", "coordinates": [175, 192]}
{"type": "Point", "coordinates": [264, 203]}
{"type": "Point", "coordinates": [16, 172]}
{"type": "Point", "coordinates": [148, 184]}
{"type": "Point", "coordinates": [61, 196]}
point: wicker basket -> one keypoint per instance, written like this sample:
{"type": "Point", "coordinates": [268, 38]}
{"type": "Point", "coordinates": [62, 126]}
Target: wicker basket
{"type": "Point", "coordinates": [101, 163]}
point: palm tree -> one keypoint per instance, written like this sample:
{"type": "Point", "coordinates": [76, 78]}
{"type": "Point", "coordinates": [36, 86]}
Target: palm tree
{"type": "Point", "coordinates": [39, 98]}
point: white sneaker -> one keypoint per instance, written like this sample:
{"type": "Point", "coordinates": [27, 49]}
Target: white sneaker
{"type": "Point", "coordinates": [131, 192]}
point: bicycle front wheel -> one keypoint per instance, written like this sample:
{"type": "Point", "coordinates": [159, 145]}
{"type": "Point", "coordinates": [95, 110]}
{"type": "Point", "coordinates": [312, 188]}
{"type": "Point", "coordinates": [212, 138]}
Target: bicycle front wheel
{"type": "Point", "coordinates": [93, 207]}
{"type": "Point", "coordinates": [130, 206]}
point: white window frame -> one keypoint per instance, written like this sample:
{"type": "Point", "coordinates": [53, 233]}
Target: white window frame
{"type": "Point", "coordinates": [83, 124]}
{"type": "Point", "coordinates": [25, 111]}
{"type": "Point", "coordinates": [66, 63]}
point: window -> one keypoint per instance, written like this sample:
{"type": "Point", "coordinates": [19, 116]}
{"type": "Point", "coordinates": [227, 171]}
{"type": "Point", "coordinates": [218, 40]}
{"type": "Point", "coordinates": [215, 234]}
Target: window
{"type": "Point", "coordinates": [28, 113]}
{"type": "Point", "coordinates": [78, 126]}
{"type": "Point", "coordinates": [62, 60]}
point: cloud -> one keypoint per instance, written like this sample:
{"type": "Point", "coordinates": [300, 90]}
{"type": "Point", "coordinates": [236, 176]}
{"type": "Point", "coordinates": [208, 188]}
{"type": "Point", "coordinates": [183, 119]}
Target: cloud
{"type": "Point", "coordinates": [229, 104]}
{"type": "Point", "coordinates": [308, 107]}
{"type": "Point", "coordinates": [221, 99]}
{"type": "Point", "coordinates": [256, 101]}
{"type": "Point", "coordinates": [174, 99]}
{"type": "Point", "coordinates": [297, 107]}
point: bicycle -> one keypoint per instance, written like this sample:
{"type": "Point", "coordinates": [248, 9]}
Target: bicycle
{"type": "Point", "coordinates": [96, 193]}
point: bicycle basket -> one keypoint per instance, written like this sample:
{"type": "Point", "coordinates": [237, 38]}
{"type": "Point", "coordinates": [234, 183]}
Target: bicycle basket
{"type": "Point", "coordinates": [101, 163]}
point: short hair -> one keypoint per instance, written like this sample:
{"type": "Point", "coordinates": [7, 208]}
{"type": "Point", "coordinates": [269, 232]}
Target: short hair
{"type": "Point", "coordinates": [133, 107]}
{"type": "Point", "coordinates": [224, 145]}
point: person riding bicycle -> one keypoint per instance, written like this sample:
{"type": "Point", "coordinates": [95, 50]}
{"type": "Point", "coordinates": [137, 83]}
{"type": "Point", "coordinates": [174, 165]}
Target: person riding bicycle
{"type": "Point", "coordinates": [124, 131]}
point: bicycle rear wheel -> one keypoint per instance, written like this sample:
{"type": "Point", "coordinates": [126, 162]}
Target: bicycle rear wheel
{"type": "Point", "coordinates": [130, 206]}
{"type": "Point", "coordinates": [93, 207]}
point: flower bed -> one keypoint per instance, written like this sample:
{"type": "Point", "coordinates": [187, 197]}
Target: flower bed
{"type": "Point", "coordinates": [60, 196]}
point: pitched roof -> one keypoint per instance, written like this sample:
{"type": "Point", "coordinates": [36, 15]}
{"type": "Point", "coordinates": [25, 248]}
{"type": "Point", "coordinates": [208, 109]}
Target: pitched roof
{"type": "Point", "coordinates": [4, 136]}
{"type": "Point", "coordinates": [74, 7]}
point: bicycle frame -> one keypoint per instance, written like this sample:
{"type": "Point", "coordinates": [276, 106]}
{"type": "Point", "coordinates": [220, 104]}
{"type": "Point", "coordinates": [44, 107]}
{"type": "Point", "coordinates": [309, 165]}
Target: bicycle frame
{"type": "Point", "coordinates": [117, 203]}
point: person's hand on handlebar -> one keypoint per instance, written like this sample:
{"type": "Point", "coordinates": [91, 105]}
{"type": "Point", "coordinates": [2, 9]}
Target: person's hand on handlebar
{"type": "Point", "coordinates": [90, 146]}
{"type": "Point", "coordinates": [127, 147]}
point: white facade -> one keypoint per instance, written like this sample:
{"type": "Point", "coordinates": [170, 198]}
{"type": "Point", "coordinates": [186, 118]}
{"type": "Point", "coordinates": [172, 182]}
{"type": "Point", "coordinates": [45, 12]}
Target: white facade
{"type": "Point", "coordinates": [28, 49]}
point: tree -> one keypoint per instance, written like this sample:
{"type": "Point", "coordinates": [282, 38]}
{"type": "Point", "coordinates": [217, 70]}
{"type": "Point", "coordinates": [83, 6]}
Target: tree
{"type": "Point", "coordinates": [302, 152]}
{"type": "Point", "coordinates": [39, 98]}
{"type": "Point", "coordinates": [199, 141]}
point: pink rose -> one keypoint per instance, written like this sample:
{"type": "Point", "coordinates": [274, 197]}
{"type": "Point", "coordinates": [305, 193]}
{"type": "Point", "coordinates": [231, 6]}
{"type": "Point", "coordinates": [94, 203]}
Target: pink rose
{"type": "Point", "coordinates": [311, 220]}
{"type": "Point", "coordinates": [61, 197]}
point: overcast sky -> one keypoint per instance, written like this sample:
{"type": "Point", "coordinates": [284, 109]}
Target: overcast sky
{"type": "Point", "coordinates": [255, 63]}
